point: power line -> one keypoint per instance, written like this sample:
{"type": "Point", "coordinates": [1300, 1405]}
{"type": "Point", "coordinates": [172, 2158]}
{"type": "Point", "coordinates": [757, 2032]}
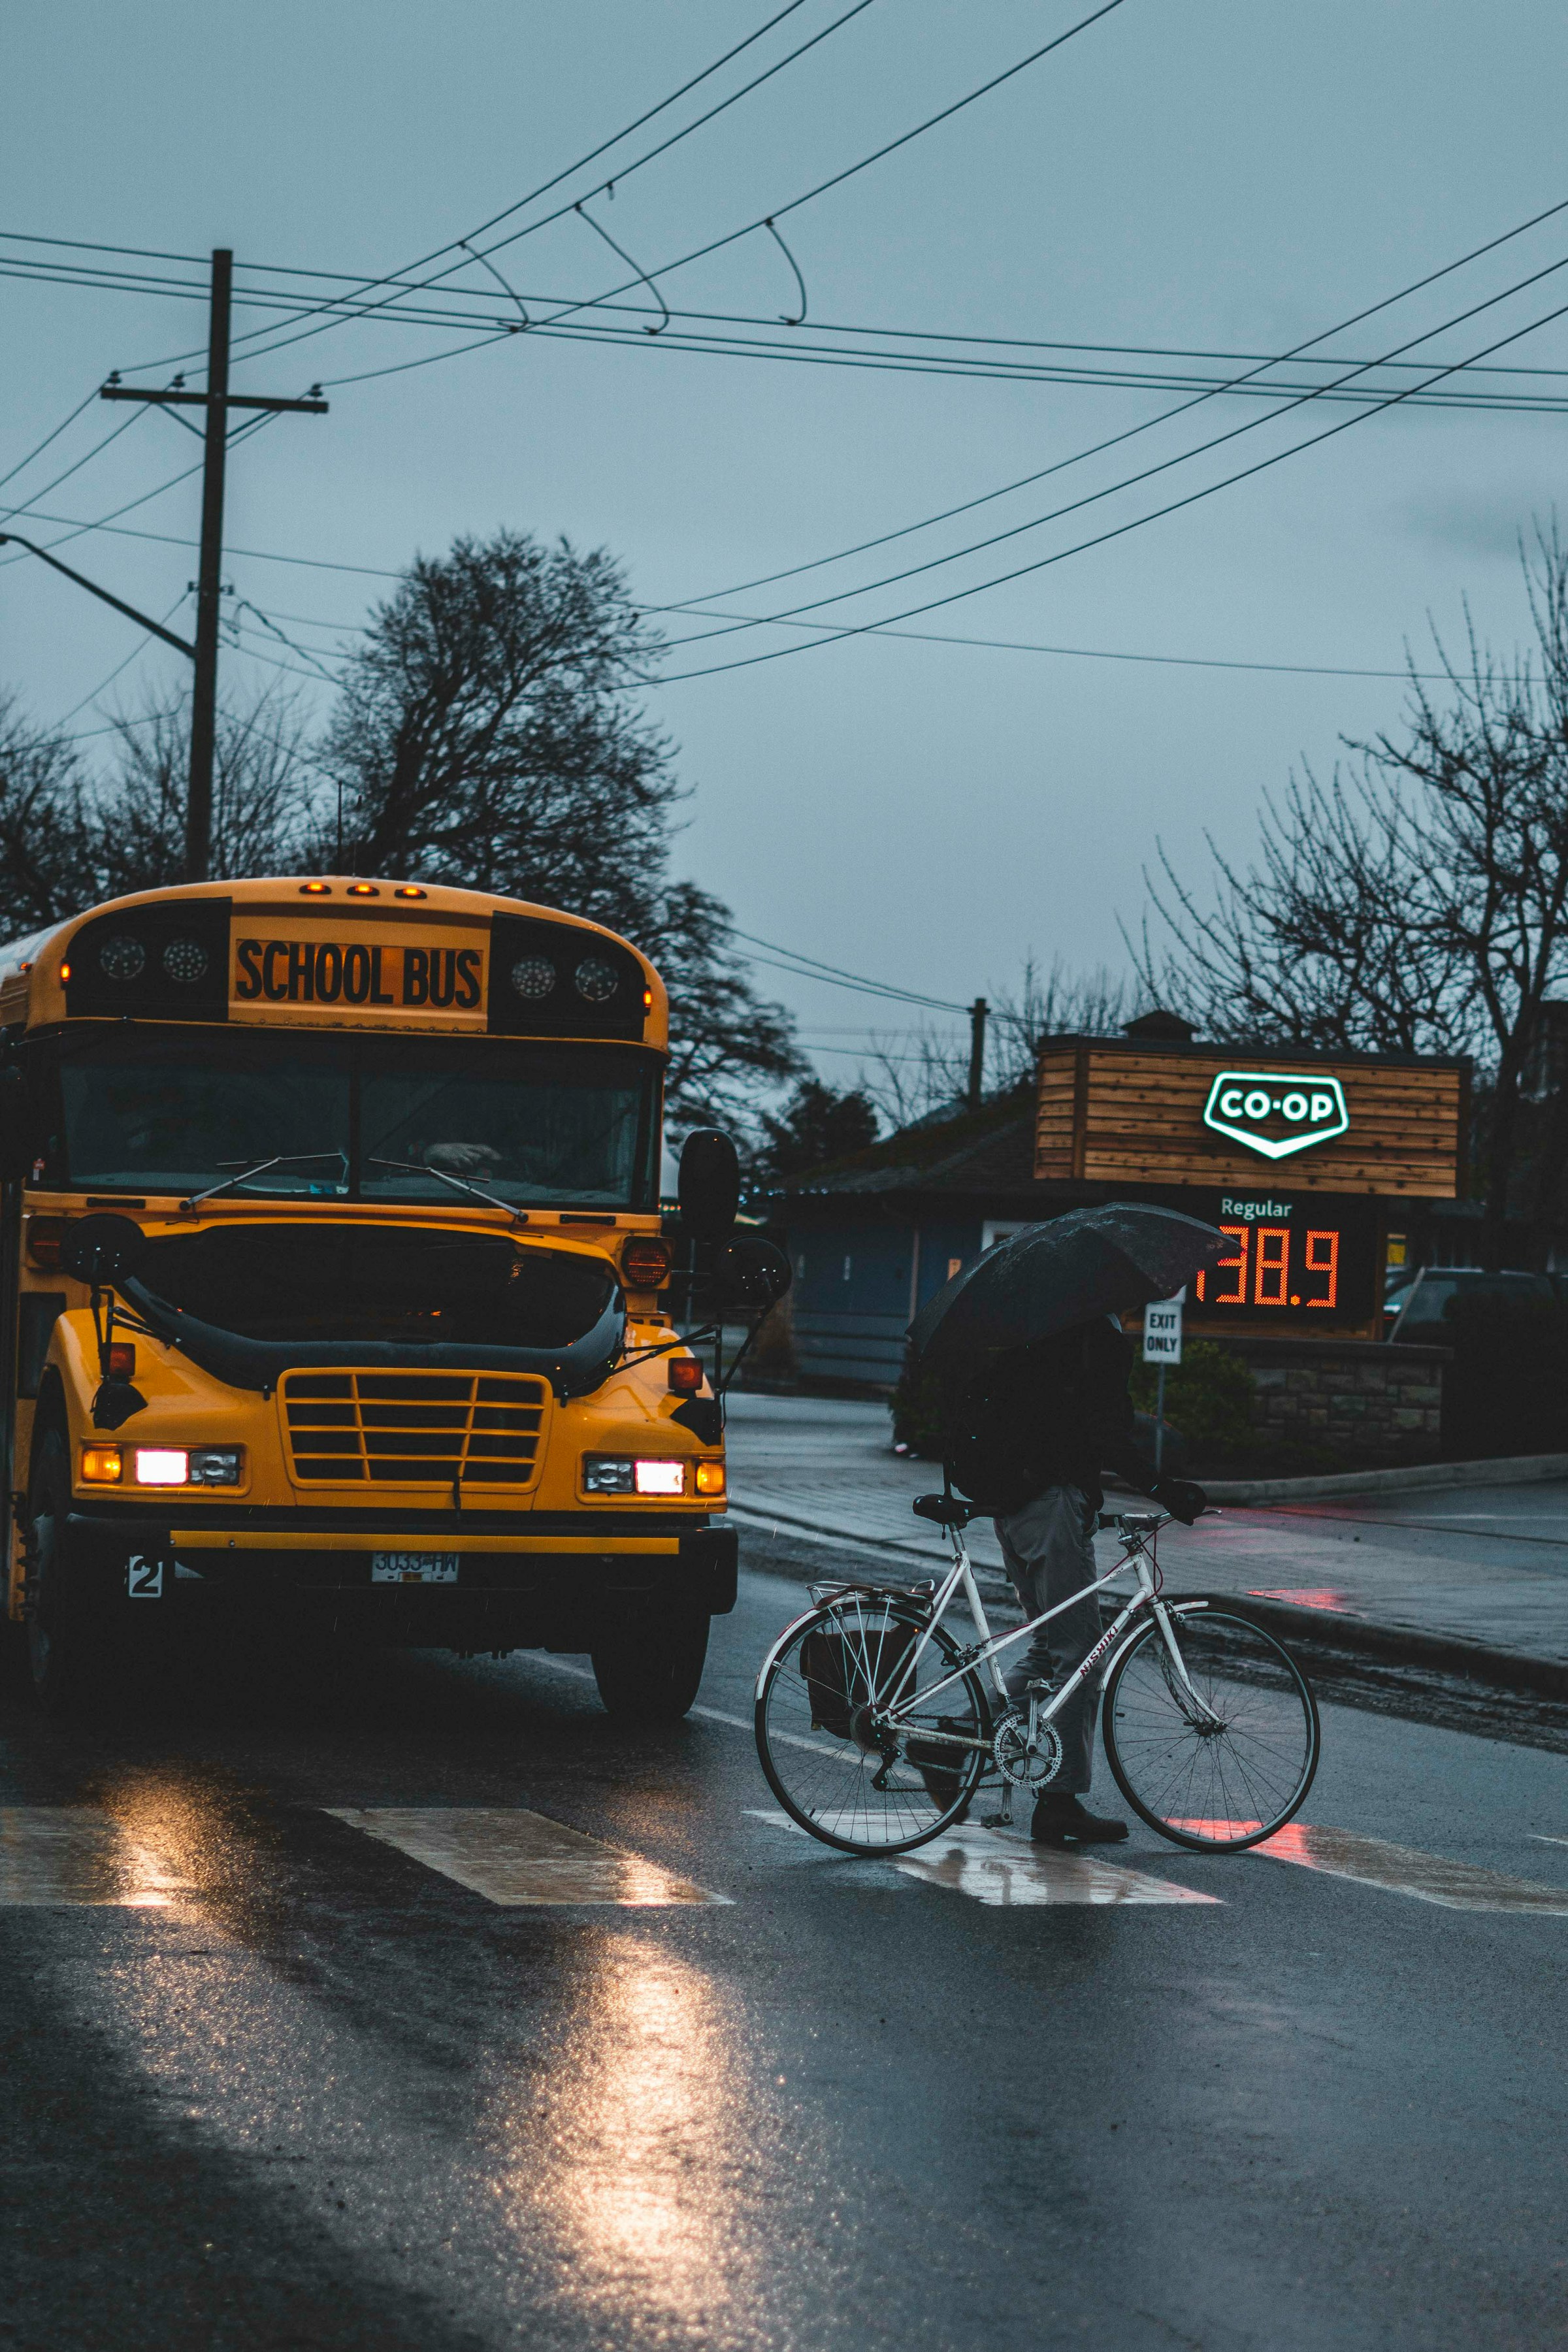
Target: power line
{"type": "Point", "coordinates": [258, 554]}
{"type": "Point", "coordinates": [104, 684]}
{"type": "Point", "coordinates": [611, 184]}
{"type": "Point", "coordinates": [1113, 489]}
{"type": "Point", "coordinates": [592, 156]}
{"type": "Point", "coordinates": [79, 530]}
{"type": "Point", "coordinates": [805, 351]}
{"type": "Point", "coordinates": [1137, 523]}
{"type": "Point", "coordinates": [55, 435]}
{"type": "Point", "coordinates": [838, 976]}
{"type": "Point", "coordinates": [69, 471]}
{"type": "Point", "coordinates": [1097, 450]}
{"type": "Point", "coordinates": [1093, 652]}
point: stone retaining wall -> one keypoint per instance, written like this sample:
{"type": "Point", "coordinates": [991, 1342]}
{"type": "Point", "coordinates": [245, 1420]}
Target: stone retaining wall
{"type": "Point", "coordinates": [1373, 1404]}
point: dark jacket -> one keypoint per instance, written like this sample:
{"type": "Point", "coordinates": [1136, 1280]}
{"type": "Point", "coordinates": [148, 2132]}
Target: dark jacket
{"type": "Point", "coordinates": [1054, 1414]}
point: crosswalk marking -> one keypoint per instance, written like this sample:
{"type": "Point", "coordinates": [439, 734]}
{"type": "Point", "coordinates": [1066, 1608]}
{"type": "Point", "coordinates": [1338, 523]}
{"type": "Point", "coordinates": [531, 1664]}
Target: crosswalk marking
{"type": "Point", "coordinates": [69, 1855]}
{"type": "Point", "coordinates": [516, 1858]}
{"type": "Point", "coordinates": [1401, 1870]}
{"type": "Point", "coordinates": [1002, 1868]}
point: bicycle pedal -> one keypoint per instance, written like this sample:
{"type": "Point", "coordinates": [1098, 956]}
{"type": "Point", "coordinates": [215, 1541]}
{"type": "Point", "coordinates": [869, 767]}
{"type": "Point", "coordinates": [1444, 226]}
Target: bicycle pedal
{"type": "Point", "coordinates": [996, 1821]}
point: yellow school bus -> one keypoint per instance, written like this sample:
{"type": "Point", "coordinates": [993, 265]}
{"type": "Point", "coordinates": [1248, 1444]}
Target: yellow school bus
{"type": "Point", "coordinates": [333, 1292]}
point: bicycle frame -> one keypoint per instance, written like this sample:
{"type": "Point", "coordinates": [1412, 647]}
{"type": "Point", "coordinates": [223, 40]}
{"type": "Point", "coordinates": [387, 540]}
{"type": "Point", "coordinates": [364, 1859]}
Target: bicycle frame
{"type": "Point", "coordinates": [961, 1578]}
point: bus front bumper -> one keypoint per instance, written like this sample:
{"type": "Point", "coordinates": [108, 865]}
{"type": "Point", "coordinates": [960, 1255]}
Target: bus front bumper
{"type": "Point", "coordinates": [568, 1584]}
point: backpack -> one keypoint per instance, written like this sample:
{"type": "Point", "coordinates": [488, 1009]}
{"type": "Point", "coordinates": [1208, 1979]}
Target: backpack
{"type": "Point", "coordinates": [843, 1673]}
{"type": "Point", "coordinates": [1004, 1438]}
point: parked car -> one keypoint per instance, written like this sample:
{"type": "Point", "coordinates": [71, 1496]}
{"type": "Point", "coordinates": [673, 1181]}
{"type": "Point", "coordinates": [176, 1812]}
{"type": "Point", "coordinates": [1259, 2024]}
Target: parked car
{"type": "Point", "coordinates": [1420, 1311]}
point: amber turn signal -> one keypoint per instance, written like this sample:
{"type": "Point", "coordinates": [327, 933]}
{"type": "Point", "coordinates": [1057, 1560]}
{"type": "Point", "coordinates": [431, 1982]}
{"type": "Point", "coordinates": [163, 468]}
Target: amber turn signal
{"type": "Point", "coordinates": [120, 1359]}
{"type": "Point", "coordinates": [100, 1464]}
{"type": "Point", "coordinates": [710, 1478]}
{"type": "Point", "coordinates": [46, 1237]}
{"type": "Point", "coordinates": [685, 1375]}
{"type": "Point", "coordinates": [646, 1262]}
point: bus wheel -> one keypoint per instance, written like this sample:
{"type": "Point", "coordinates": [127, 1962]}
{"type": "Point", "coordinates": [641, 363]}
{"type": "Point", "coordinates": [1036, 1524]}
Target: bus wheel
{"type": "Point", "coordinates": [64, 1657]}
{"type": "Point", "coordinates": [656, 1677]}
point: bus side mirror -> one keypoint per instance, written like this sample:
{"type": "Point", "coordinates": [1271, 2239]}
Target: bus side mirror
{"type": "Point", "coordinates": [710, 1188]}
{"type": "Point", "coordinates": [751, 1275]}
{"type": "Point", "coordinates": [16, 1141]}
{"type": "Point", "coordinates": [102, 1249]}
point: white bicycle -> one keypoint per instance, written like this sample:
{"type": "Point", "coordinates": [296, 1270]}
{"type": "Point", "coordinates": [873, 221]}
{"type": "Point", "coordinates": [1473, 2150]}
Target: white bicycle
{"type": "Point", "coordinates": [876, 1727]}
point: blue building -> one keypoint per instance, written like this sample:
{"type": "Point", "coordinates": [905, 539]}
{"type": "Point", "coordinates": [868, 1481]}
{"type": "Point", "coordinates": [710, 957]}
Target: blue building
{"type": "Point", "coordinates": [872, 1236]}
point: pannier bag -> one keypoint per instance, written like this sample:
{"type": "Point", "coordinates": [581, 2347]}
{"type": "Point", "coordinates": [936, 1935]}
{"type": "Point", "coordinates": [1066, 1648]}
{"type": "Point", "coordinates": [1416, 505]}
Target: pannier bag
{"type": "Point", "coordinates": [843, 1671]}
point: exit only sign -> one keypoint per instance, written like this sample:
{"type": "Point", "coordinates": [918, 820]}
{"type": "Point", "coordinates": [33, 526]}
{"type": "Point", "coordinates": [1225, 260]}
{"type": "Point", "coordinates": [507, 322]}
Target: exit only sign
{"type": "Point", "coordinates": [1163, 1331]}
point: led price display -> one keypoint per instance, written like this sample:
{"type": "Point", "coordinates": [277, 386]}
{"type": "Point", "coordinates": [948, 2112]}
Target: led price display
{"type": "Point", "coordinates": [1262, 1273]}
{"type": "Point", "coordinates": [1308, 1260]}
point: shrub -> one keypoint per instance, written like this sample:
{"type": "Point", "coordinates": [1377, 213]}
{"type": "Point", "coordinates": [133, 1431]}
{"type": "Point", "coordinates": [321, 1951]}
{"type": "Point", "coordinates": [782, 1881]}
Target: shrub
{"type": "Point", "coordinates": [1208, 1397]}
{"type": "Point", "coordinates": [916, 1408]}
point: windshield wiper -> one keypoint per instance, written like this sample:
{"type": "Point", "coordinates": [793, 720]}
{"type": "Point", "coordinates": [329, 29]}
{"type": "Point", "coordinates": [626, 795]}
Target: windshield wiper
{"type": "Point", "coordinates": [458, 1184]}
{"type": "Point", "coordinates": [242, 1175]}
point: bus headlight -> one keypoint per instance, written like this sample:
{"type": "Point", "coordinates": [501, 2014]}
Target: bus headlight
{"type": "Point", "coordinates": [195, 1465]}
{"type": "Point", "coordinates": [617, 1473]}
{"type": "Point", "coordinates": [217, 1465]}
{"type": "Point", "coordinates": [162, 1466]}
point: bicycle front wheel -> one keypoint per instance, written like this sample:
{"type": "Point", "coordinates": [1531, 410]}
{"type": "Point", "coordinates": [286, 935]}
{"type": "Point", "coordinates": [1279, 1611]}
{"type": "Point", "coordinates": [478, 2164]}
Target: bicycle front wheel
{"type": "Point", "coordinates": [837, 1763]}
{"type": "Point", "coordinates": [1221, 1759]}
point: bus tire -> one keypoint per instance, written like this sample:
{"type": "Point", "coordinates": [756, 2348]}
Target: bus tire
{"type": "Point", "coordinates": [654, 1677]}
{"type": "Point", "coordinates": [65, 1655]}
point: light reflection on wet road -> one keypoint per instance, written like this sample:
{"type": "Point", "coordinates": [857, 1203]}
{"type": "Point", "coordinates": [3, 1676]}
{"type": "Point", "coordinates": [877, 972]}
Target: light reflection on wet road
{"type": "Point", "coordinates": [323, 2094]}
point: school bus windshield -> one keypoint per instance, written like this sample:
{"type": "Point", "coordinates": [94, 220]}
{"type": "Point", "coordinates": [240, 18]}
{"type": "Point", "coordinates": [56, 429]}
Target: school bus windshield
{"type": "Point", "coordinates": [151, 1113]}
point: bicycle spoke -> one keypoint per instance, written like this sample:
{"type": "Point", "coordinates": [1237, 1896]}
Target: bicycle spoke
{"type": "Point", "coordinates": [837, 1672]}
{"type": "Point", "coordinates": [1237, 1767]}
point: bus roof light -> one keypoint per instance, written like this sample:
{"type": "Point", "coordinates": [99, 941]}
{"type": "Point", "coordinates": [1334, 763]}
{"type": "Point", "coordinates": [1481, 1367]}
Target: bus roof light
{"type": "Point", "coordinates": [410, 890]}
{"type": "Point", "coordinates": [315, 890]}
{"type": "Point", "coordinates": [364, 890]}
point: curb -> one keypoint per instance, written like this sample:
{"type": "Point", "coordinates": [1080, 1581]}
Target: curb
{"type": "Point", "coordinates": [1445, 1654]}
{"type": "Point", "coordinates": [1509, 1470]}
{"type": "Point", "coordinates": [1448, 1653]}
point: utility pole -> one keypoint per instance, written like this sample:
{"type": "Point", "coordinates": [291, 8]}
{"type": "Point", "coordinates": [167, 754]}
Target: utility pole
{"type": "Point", "coordinates": [217, 400]}
{"type": "Point", "coordinates": [977, 1011]}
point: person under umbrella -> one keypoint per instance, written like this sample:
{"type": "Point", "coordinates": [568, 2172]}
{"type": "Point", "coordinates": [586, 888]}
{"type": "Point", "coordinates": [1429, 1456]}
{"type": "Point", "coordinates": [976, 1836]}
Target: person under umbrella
{"type": "Point", "coordinates": [1039, 1407]}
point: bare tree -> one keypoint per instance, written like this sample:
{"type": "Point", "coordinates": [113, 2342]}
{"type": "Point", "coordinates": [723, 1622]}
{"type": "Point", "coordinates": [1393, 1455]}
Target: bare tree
{"type": "Point", "coordinates": [1055, 1003]}
{"type": "Point", "coordinates": [489, 734]}
{"type": "Point", "coordinates": [913, 1075]}
{"type": "Point", "coordinates": [46, 868]}
{"type": "Point", "coordinates": [1418, 903]}
{"type": "Point", "coordinates": [266, 794]}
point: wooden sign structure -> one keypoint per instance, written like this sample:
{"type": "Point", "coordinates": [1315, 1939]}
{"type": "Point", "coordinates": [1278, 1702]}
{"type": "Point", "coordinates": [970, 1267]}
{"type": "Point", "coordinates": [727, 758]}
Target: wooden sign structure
{"type": "Point", "coordinates": [1128, 1112]}
{"type": "Point", "coordinates": [1297, 1158]}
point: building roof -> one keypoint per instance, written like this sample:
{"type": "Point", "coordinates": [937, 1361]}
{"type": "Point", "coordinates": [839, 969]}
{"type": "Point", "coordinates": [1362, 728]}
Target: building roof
{"type": "Point", "coordinates": [989, 1150]}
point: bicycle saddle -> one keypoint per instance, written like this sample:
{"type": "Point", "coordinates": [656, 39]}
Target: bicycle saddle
{"type": "Point", "coordinates": [946, 1509]}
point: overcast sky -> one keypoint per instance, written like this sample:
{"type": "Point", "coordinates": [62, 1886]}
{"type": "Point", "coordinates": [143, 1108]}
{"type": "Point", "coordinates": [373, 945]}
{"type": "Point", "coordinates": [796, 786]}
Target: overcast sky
{"type": "Point", "coordinates": [1212, 176]}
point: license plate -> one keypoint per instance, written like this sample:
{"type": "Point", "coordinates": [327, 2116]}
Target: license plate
{"type": "Point", "coordinates": [414, 1567]}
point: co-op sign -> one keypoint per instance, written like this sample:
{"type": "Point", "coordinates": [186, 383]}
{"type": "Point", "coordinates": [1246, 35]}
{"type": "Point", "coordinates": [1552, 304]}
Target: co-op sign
{"type": "Point", "coordinates": [1275, 1113]}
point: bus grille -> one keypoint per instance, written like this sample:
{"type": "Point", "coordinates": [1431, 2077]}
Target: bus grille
{"type": "Point", "coordinates": [414, 1429]}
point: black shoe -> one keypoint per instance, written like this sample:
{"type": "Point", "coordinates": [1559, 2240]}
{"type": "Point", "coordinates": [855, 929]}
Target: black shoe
{"type": "Point", "coordinates": [1067, 1821]}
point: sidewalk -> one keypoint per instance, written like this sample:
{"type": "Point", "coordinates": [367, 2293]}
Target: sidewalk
{"type": "Point", "coordinates": [1431, 1573]}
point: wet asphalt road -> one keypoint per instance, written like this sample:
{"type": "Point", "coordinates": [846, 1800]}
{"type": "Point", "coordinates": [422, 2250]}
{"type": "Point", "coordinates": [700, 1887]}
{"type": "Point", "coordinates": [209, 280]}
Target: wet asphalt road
{"type": "Point", "coordinates": [325, 2096]}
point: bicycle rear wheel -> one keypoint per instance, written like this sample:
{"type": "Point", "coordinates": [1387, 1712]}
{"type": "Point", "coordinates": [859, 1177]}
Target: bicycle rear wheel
{"type": "Point", "coordinates": [857, 1784]}
{"type": "Point", "coordinates": [1224, 1773]}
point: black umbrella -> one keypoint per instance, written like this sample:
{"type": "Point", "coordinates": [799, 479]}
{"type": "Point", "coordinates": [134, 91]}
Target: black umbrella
{"type": "Point", "coordinates": [1047, 1277]}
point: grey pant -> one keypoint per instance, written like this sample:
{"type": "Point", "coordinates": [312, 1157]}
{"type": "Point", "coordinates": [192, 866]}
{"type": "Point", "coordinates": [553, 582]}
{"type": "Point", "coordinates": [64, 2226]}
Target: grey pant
{"type": "Point", "coordinates": [1048, 1546]}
